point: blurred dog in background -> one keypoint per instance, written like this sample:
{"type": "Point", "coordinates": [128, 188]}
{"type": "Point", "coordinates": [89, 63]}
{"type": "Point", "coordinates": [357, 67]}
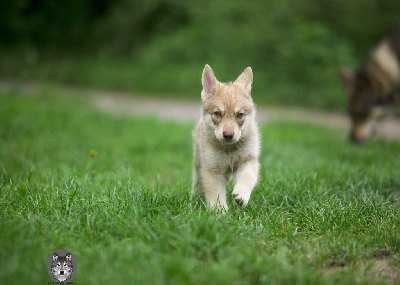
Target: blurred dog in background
{"type": "Point", "coordinates": [374, 89]}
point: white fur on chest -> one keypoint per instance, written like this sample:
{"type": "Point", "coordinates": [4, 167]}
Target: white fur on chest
{"type": "Point", "coordinates": [227, 159]}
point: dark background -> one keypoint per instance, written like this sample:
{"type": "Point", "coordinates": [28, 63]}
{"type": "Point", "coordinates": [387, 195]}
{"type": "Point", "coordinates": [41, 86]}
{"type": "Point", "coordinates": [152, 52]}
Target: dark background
{"type": "Point", "coordinates": [160, 46]}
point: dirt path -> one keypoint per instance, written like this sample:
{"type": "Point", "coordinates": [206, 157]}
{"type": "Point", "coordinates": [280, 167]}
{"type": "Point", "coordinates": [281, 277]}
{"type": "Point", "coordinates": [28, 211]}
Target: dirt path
{"type": "Point", "coordinates": [188, 111]}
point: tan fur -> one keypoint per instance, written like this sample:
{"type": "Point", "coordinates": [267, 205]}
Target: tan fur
{"type": "Point", "coordinates": [216, 158]}
{"type": "Point", "coordinates": [386, 58]}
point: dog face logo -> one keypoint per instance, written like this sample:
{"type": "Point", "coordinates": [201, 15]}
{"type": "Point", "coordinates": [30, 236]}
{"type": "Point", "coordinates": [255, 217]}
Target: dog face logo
{"type": "Point", "coordinates": [62, 266]}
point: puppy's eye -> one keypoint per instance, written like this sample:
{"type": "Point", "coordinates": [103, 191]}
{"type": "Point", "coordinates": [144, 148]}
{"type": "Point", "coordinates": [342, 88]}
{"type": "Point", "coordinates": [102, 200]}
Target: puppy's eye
{"type": "Point", "coordinates": [217, 114]}
{"type": "Point", "coordinates": [240, 115]}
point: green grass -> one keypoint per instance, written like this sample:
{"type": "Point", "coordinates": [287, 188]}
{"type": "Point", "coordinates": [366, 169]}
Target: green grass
{"type": "Point", "coordinates": [324, 211]}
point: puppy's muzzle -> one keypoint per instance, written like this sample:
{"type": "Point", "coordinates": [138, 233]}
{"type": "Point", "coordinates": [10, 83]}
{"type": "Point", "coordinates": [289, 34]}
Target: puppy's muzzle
{"type": "Point", "coordinates": [228, 135]}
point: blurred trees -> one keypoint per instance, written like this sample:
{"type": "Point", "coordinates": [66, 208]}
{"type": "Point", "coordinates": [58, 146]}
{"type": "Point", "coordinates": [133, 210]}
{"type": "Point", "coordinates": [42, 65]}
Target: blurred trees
{"type": "Point", "coordinates": [47, 23]}
{"type": "Point", "coordinates": [122, 25]}
{"type": "Point", "coordinates": [301, 42]}
{"type": "Point", "coordinates": [363, 22]}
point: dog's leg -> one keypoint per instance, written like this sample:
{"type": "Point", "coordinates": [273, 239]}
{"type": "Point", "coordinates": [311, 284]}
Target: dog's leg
{"type": "Point", "coordinates": [246, 178]}
{"type": "Point", "coordinates": [195, 173]}
{"type": "Point", "coordinates": [195, 182]}
{"type": "Point", "coordinates": [214, 188]}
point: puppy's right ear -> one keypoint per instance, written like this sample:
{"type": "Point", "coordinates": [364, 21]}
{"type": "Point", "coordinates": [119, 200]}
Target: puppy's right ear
{"type": "Point", "coordinates": [347, 79]}
{"type": "Point", "coordinates": [246, 79]}
{"type": "Point", "coordinates": [210, 83]}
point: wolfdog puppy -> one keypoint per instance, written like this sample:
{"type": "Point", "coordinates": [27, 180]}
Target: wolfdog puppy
{"type": "Point", "coordinates": [226, 140]}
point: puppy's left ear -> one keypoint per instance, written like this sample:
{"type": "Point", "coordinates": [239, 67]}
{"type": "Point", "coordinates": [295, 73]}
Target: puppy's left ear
{"type": "Point", "coordinates": [210, 83]}
{"type": "Point", "coordinates": [246, 79]}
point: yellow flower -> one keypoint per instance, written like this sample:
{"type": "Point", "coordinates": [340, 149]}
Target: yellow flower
{"type": "Point", "coordinates": [93, 153]}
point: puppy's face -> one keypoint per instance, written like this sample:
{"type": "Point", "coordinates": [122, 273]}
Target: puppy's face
{"type": "Point", "coordinates": [227, 108]}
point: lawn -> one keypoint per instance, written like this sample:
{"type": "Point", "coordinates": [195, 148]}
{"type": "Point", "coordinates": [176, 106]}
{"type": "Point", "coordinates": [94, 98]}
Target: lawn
{"type": "Point", "coordinates": [114, 190]}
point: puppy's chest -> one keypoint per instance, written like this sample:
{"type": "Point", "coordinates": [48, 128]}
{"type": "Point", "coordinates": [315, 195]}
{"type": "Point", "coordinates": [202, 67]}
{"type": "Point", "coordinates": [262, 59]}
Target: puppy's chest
{"type": "Point", "coordinates": [225, 161]}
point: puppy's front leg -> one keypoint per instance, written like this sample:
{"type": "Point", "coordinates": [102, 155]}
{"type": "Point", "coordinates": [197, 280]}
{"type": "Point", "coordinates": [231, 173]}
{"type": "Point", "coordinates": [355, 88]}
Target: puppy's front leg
{"type": "Point", "coordinates": [214, 187]}
{"type": "Point", "coordinates": [196, 172]}
{"type": "Point", "coordinates": [246, 178]}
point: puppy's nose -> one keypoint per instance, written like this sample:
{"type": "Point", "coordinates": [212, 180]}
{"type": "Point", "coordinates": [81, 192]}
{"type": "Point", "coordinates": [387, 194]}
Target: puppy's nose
{"type": "Point", "coordinates": [228, 135]}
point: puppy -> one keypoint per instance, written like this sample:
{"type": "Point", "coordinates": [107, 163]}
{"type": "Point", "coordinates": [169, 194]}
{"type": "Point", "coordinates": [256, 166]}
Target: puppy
{"type": "Point", "coordinates": [226, 140]}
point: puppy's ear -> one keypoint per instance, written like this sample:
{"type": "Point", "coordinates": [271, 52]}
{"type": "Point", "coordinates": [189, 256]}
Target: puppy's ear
{"type": "Point", "coordinates": [246, 79]}
{"type": "Point", "coordinates": [55, 256]}
{"type": "Point", "coordinates": [347, 79]}
{"type": "Point", "coordinates": [210, 83]}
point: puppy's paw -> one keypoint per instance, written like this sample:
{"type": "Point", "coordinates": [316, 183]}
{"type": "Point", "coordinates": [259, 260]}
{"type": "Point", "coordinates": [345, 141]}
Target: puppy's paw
{"type": "Point", "coordinates": [218, 205]}
{"type": "Point", "coordinates": [241, 197]}
{"type": "Point", "coordinates": [221, 208]}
